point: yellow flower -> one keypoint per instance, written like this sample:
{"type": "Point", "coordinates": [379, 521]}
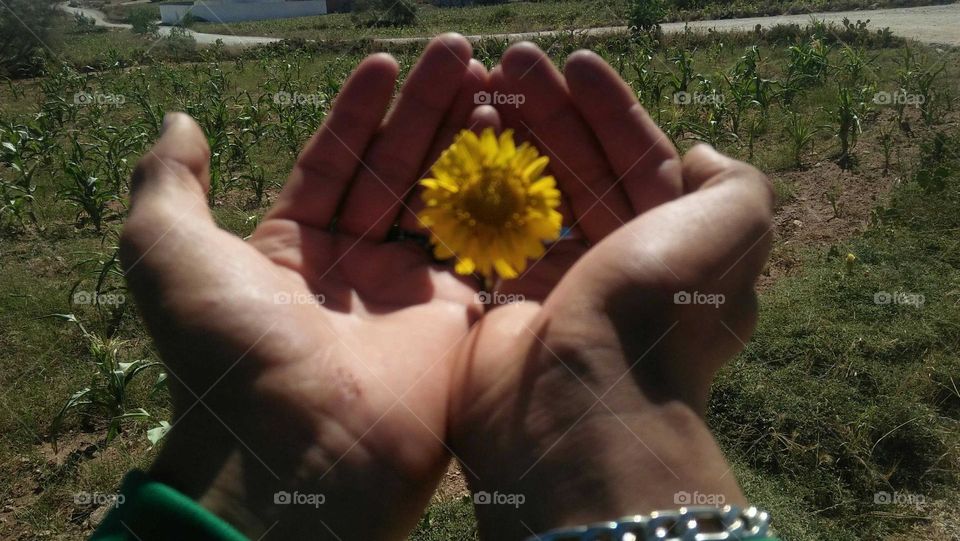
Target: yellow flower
{"type": "Point", "coordinates": [851, 259]}
{"type": "Point", "coordinates": [489, 205]}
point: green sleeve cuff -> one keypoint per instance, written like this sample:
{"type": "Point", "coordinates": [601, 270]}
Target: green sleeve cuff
{"type": "Point", "coordinates": [148, 510]}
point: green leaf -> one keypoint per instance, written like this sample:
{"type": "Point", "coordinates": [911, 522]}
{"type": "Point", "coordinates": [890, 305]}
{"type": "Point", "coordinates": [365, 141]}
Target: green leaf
{"type": "Point", "coordinates": [157, 433]}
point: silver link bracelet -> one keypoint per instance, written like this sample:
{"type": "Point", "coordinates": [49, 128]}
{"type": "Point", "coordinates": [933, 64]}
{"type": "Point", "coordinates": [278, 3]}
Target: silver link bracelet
{"type": "Point", "coordinates": [685, 524]}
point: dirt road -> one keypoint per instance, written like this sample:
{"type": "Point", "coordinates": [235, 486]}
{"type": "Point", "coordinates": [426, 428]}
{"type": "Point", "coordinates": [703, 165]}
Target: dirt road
{"type": "Point", "coordinates": [202, 38]}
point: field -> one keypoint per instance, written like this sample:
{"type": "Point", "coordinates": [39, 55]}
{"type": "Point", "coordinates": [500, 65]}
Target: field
{"type": "Point", "coordinates": [842, 416]}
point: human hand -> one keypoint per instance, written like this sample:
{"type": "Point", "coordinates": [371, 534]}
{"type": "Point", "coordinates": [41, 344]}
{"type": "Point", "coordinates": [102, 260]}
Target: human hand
{"type": "Point", "coordinates": [316, 357]}
{"type": "Point", "coordinates": [587, 399]}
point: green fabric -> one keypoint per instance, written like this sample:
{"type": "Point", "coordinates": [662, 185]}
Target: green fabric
{"type": "Point", "coordinates": [151, 510]}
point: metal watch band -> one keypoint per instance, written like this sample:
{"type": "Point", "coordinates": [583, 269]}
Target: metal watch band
{"type": "Point", "coordinates": [685, 524]}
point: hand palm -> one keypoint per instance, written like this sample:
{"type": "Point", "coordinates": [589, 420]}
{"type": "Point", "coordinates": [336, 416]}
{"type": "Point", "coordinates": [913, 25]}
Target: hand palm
{"type": "Point", "coordinates": [604, 351]}
{"type": "Point", "coordinates": [316, 356]}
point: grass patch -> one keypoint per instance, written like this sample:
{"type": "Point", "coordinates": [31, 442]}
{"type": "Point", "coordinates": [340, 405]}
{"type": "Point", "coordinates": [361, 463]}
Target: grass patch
{"type": "Point", "coordinates": [840, 397]}
{"type": "Point", "coordinates": [442, 521]}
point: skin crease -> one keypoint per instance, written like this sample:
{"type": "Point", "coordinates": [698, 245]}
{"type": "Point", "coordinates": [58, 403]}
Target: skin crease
{"type": "Point", "coordinates": [583, 398]}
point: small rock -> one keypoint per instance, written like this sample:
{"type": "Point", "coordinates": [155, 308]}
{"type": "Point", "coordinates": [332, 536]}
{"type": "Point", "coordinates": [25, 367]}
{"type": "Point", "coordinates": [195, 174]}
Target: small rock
{"type": "Point", "coordinates": [797, 223]}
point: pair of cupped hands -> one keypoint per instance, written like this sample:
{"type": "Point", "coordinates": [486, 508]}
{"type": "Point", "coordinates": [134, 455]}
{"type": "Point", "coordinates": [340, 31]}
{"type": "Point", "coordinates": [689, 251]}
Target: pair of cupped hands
{"type": "Point", "coordinates": [323, 360]}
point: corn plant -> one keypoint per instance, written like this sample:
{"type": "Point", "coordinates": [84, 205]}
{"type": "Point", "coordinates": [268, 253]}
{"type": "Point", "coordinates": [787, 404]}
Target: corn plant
{"type": "Point", "coordinates": [833, 195]}
{"type": "Point", "coordinates": [848, 113]}
{"type": "Point", "coordinates": [650, 83]}
{"type": "Point", "coordinates": [924, 82]}
{"type": "Point", "coordinates": [23, 151]}
{"type": "Point", "coordinates": [152, 113]}
{"type": "Point", "coordinates": [108, 395]}
{"type": "Point", "coordinates": [746, 74]}
{"type": "Point", "coordinates": [102, 282]}
{"type": "Point", "coordinates": [209, 108]}
{"type": "Point", "coordinates": [16, 91]}
{"type": "Point", "coordinates": [809, 62]}
{"type": "Point", "coordinates": [684, 75]}
{"type": "Point", "coordinates": [756, 126]}
{"type": "Point", "coordinates": [742, 100]}
{"type": "Point", "coordinates": [15, 205]}
{"type": "Point", "coordinates": [938, 158]}
{"type": "Point", "coordinates": [86, 190]}
{"type": "Point", "coordinates": [853, 65]}
{"type": "Point", "coordinates": [918, 78]}
{"type": "Point", "coordinates": [56, 88]}
{"type": "Point", "coordinates": [489, 51]}
{"type": "Point", "coordinates": [713, 129]}
{"type": "Point", "coordinates": [115, 147]}
{"type": "Point", "coordinates": [674, 126]}
{"type": "Point", "coordinates": [800, 134]}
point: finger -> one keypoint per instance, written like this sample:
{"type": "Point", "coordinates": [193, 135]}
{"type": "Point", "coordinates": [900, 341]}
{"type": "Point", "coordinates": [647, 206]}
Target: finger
{"type": "Point", "coordinates": [510, 116]}
{"type": "Point", "coordinates": [395, 159]}
{"type": "Point", "coordinates": [703, 166]}
{"type": "Point", "coordinates": [576, 159]}
{"type": "Point", "coordinates": [179, 265]}
{"type": "Point", "coordinates": [329, 162]}
{"type": "Point", "coordinates": [733, 193]}
{"type": "Point", "coordinates": [475, 80]}
{"type": "Point", "coordinates": [168, 210]}
{"type": "Point", "coordinates": [511, 119]}
{"type": "Point", "coordinates": [480, 118]}
{"type": "Point", "coordinates": [644, 159]}
{"type": "Point", "coordinates": [483, 117]}
{"type": "Point", "coordinates": [174, 175]}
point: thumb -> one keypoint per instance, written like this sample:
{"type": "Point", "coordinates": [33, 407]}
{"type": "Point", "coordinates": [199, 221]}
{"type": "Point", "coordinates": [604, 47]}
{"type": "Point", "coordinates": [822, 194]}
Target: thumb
{"type": "Point", "coordinates": [176, 171]}
{"type": "Point", "coordinates": [168, 192]}
{"type": "Point", "coordinates": [702, 164]}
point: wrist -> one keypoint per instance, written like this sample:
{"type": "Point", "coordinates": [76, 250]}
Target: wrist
{"type": "Point", "coordinates": [294, 479]}
{"type": "Point", "coordinates": [200, 460]}
{"type": "Point", "coordinates": [607, 466]}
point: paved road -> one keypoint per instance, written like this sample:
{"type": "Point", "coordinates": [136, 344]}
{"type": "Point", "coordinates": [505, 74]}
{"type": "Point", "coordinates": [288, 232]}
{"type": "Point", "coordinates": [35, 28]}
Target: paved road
{"type": "Point", "coordinates": [929, 24]}
{"type": "Point", "coordinates": [204, 39]}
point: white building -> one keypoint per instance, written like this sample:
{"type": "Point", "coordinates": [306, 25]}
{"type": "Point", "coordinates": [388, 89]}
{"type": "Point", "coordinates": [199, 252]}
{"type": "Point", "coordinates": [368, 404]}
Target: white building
{"type": "Point", "coordinates": [226, 11]}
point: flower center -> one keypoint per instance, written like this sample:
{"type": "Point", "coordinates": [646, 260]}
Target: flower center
{"type": "Point", "coordinates": [494, 199]}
